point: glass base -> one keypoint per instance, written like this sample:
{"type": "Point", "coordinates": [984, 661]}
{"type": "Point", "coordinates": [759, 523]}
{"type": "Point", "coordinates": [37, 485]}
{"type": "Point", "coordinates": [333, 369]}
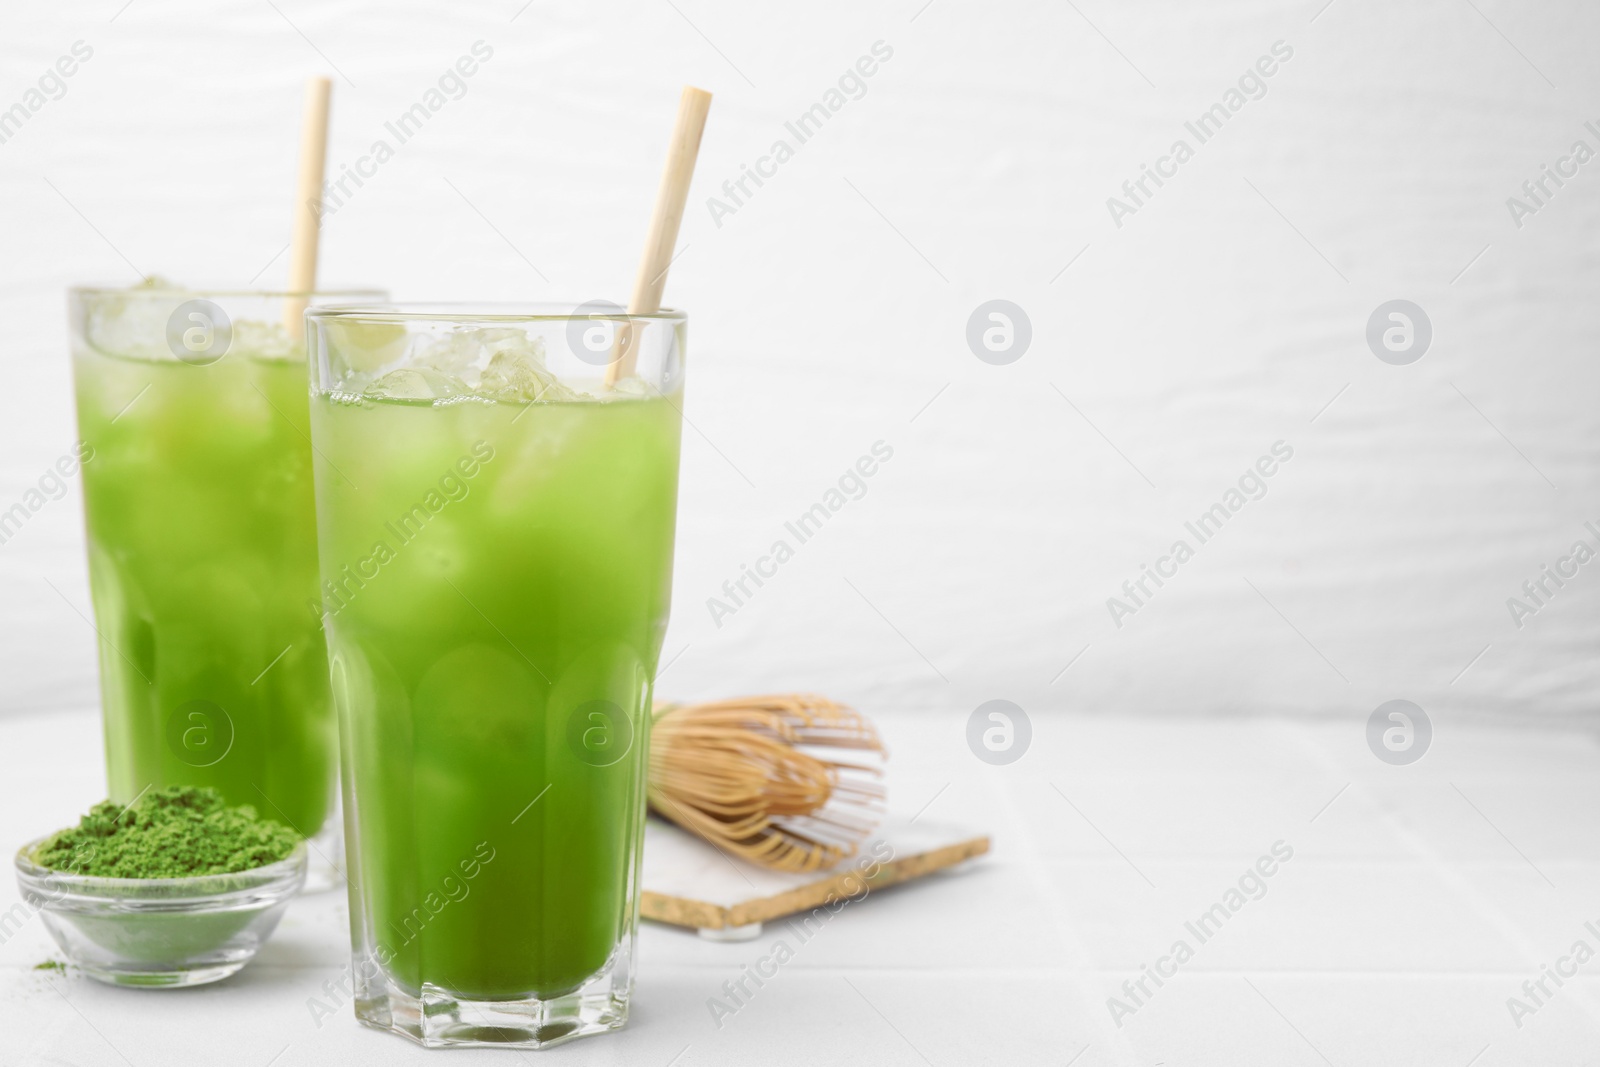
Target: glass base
{"type": "Point", "coordinates": [440, 1019]}
{"type": "Point", "coordinates": [164, 979]}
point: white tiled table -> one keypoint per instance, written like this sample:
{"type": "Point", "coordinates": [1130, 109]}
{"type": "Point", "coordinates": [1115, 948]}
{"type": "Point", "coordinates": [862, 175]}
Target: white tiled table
{"type": "Point", "coordinates": [1415, 904]}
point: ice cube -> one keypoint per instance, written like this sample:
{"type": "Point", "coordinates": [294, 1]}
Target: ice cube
{"type": "Point", "coordinates": [521, 378]}
{"type": "Point", "coordinates": [132, 322]}
{"type": "Point", "coordinates": [484, 362]}
{"type": "Point", "coordinates": [265, 340]}
{"type": "Point", "coordinates": [417, 383]}
{"type": "Point", "coordinates": [471, 349]}
{"type": "Point", "coordinates": [633, 386]}
{"type": "Point", "coordinates": [366, 346]}
{"type": "Point", "coordinates": [497, 339]}
{"type": "Point", "coordinates": [453, 354]}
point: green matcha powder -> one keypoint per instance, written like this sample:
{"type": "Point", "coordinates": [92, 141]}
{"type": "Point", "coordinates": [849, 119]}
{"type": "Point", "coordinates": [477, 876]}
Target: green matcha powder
{"type": "Point", "coordinates": [178, 832]}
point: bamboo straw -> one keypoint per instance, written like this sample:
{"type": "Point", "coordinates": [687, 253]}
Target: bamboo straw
{"type": "Point", "coordinates": [673, 193]}
{"type": "Point", "coordinates": [306, 220]}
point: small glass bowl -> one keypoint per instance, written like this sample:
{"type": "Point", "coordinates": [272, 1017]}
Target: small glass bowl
{"type": "Point", "coordinates": [160, 932]}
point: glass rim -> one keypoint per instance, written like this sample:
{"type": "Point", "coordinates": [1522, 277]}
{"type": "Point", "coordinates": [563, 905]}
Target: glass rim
{"type": "Point", "coordinates": [489, 311]}
{"type": "Point", "coordinates": [125, 291]}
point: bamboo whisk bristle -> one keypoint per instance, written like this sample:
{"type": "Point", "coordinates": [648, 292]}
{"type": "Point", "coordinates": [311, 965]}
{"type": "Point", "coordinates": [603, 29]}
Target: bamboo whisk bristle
{"type": "Point", "coordinates": [738, 773]}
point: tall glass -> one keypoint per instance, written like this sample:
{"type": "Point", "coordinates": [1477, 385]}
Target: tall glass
{"type": "Point", "coordinates": [193, 413]}
{"type": "Point", "coordinates": [495, 532]}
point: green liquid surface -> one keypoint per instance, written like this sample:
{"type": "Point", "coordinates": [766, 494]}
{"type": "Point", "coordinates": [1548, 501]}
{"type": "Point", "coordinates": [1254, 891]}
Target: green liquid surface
{"type": "Point", "coordinates": [202, 563]}
{"type": "Point", "coordinates": [497, 581]}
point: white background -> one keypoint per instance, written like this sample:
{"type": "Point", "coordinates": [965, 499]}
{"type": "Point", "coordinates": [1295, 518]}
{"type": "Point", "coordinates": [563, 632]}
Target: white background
{"type": "Point", "coordinates": [1195, 336]}
{"type": "Point", "coordinates": [1217, 320]}
{"type": "Point", "coordinates": [829, 313]}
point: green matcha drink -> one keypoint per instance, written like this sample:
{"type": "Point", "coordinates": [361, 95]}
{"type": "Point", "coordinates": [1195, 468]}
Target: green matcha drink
{"type": "Point", "coordinates": [496, 534]}
{"type": "Point", "coordinates": [202, 554]}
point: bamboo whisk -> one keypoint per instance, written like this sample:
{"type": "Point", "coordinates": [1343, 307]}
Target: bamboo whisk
{"type": "Point", "coordinates": [736, 773]}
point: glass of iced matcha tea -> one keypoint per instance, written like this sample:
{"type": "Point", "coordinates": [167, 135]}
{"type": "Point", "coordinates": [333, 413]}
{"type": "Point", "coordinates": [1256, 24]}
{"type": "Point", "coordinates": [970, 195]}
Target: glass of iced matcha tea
{"type": "Point", "coordinates": [495, 532]}
{"type": "Point", "coordinates": [193, 413]}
